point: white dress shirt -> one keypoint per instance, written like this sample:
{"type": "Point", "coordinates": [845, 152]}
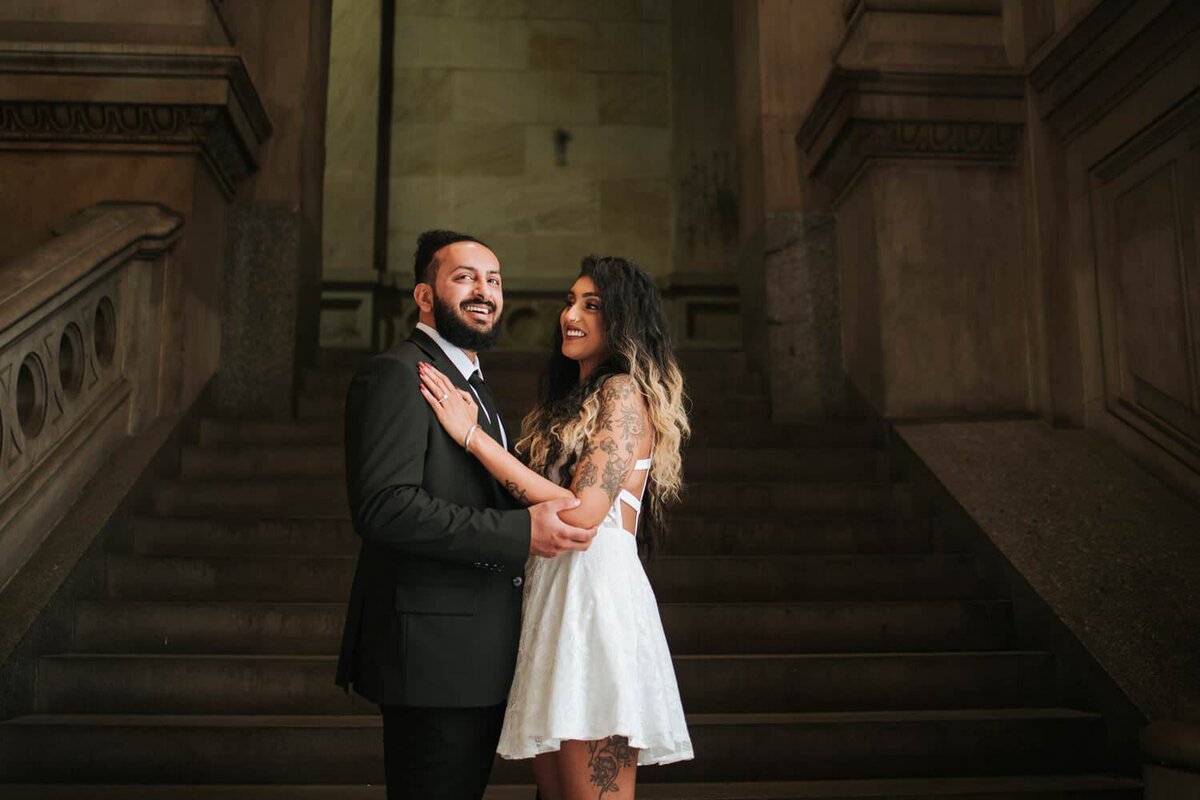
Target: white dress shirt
{"type": "Point", "coordinates": [466, 366]}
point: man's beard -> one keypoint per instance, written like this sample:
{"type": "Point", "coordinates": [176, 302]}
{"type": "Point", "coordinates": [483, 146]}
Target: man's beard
{"type": "Point", "coordinates": [458, 332]}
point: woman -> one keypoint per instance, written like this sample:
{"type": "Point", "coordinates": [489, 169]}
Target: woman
{"type": "Point", "coordinates": [594, 694]}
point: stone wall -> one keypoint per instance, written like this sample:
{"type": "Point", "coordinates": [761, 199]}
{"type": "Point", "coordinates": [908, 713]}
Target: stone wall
{"type": "Point", "coordinates": [550, 130]}
{"type": "Point", "coordinates": [351, 122]}
{"type": "Point", "coordinates": [273, 258]}
{"type": "Point", "coordinates": [787, 258]}
{"type": "Point", "coordinates": [545, 130]}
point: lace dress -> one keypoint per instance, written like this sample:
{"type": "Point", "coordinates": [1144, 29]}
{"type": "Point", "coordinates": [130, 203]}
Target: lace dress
{"type": "Point", "coordinates": [593, 659]}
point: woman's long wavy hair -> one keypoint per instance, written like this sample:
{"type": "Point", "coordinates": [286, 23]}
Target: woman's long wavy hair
{"type": "Point", "coordinates": [639, 343]}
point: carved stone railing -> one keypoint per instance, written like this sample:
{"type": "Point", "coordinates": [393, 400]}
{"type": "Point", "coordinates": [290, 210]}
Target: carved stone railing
{"type": "Point", "coordinates": [80, 361]}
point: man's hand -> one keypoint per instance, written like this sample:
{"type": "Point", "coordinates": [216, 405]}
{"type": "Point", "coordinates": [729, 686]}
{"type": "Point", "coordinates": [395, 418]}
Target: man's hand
{"type": "Point", "coordinates": [550, 536]}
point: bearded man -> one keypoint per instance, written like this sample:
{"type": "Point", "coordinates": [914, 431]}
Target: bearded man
{"type": "Point", "coordinates": [435, 609]}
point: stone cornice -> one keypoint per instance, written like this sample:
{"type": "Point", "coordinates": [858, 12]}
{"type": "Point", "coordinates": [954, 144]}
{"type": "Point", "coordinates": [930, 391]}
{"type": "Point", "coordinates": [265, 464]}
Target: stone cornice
{"type": "Point", "coordinates": [862, 115]}
{"type": "Point", "coordinates": [140, 99]}
{"type": "Point", "coordinates": [1084, 73]}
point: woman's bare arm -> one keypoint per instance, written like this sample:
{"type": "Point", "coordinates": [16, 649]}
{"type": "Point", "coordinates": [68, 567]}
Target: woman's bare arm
{"type": "Point", "coordinates": [608, 457]}
{"type": "Point", "coordinates": [602, 469]}
{"type": "Point", "coordinates": [458, 413]}
{"type": "Point", "coordinates": [521, 482]}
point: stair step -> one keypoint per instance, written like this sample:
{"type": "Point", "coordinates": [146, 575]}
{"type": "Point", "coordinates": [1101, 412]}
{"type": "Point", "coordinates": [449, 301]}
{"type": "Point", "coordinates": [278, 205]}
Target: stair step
{"type": "Point", "coordinates": [702, 579]}
{"type": "Point", "coordinates": [706, 432]}
{"type": "Point", "coordinates": [326, 497]}
{"type": "Point", "coordinates": [246, 684]}
{"type": "Point", "coordinates": [1025, 787]}
{"type": "Point", "coordinates": [184, 536]}
{"type": "Point", "coordinates": [331, 380]}
{"type": "Point", "coordinates": [689, 535]}
{"type": "Point", "coordinates": [534, 360]}
{"type": "Point", "coordinates": [692, 628]}
{"type": "Point", "coordinates": [213, 430]}
{"type": "Point", "coordinates": [700, 463]}
{"type": "Point", "coordinates": [514, 406]}
{"type": "Point", "coordinates": [337, 749]}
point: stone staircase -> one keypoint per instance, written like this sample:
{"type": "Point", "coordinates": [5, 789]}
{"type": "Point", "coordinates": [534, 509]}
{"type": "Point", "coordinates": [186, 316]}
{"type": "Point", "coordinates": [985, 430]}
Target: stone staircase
{"type": "Point", "coordinates": [827, 642]}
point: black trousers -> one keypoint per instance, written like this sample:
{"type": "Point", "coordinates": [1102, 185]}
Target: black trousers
{"type": "Point", "coordinates": [439, 753]}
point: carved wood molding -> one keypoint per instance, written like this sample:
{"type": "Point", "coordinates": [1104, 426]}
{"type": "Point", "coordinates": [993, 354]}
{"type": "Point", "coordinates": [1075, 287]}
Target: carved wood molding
{"type": "Point", "coordinates": [1116, 48]}
{"type": "Point", "coordinates": [865, 115]}
{"type": "Point", "coordinates": [141, 99]}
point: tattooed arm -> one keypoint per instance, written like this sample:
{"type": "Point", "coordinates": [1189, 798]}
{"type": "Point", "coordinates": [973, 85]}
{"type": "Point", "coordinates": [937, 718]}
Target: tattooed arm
{"type": "Point", "coordinates": [608, 458]}
{"type": "Point", "coordinates": [603, 466]}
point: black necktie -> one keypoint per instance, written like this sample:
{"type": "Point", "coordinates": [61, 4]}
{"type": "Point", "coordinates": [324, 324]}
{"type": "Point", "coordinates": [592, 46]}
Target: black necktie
{"type": "Point", "coordinates": [490, 420]}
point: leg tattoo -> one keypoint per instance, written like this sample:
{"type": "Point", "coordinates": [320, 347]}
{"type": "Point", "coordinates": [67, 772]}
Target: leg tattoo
{"type": "Point", "coordinates": [607, 757]}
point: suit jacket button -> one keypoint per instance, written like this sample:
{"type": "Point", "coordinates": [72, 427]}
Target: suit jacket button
{"type": "Point", "coordinates": [517, 581]}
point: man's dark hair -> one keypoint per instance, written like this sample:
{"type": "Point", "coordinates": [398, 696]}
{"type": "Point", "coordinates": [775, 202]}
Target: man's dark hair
{"type": "Point", "coordinates": [428, 243]}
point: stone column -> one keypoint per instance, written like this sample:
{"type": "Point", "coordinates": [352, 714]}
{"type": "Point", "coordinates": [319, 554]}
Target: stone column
{"type": "Point", "coordinates": [272, 263]}
{"type": "Point", "coordinates": [916, 136]}
{"type": "Point", "coordinates": [787, 249]}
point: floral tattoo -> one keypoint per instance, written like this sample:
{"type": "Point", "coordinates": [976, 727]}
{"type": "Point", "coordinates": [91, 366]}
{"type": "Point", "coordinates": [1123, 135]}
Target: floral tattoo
{"type": "Point", "coordinates": [606, 758]}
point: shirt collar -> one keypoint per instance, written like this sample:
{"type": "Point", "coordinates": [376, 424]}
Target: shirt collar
{"type": "Point", "coordinates": [455, 353]}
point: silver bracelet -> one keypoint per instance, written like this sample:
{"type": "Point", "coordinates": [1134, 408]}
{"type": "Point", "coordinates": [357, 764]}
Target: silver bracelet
{"type": "Point", "coordinates": [467, 440]}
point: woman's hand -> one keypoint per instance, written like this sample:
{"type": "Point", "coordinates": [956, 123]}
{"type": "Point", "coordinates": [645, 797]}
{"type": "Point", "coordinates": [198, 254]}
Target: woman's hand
{"type": "Point", "coordinates": [455, 408]}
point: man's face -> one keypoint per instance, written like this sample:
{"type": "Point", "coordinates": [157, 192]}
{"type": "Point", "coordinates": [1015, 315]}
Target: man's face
{"type": "Point", "coordinates": [467, 295]}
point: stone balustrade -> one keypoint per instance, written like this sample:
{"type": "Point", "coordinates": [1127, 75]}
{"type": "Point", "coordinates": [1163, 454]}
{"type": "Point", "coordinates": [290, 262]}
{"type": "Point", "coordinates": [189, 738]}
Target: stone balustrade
{"type": "Point", "coordinates": [81, 320]}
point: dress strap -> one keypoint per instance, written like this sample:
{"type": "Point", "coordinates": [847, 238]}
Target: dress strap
{"type": "Point", "coordinates": [628, 497]}
{"type": "Point", "coordinates": [642, 464]}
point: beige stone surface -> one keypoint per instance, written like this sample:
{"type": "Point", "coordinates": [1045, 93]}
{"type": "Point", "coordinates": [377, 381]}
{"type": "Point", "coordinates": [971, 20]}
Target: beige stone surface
{"type": "Point", "coordinates": [422, 95]}
{"type": "Point", "coordinates": [559, 97]}
{"type": "Point", "coordinates": [598, 46]}
{"type": "Point", "coordinates": [637, 207]}
{"type": "Point", "coordinates": [347, 235]}
{"type": "Point", "coordinates": [613, 151]}
{"type": "Point", "coordinates": [635, 99]}
{"type": "Point", "coordinates": [563, 206]}
{"type": "Point", "coordinates": [481, 90]}
{"type": "Point", "coordinates": [420, 202]}
{"type": "Point", "coordinates": [460, 43]}
{"type": "Point", "coordinates": [651, 253]}
{"type": "Point", "coordinates": [458, 148]}
{"type": "Point", "coordinates": [351, 123]}
{"type": "Point", "coordinates": [558, 257]}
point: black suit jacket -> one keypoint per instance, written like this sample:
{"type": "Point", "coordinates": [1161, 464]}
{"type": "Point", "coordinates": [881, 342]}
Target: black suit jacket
{"type": "Point", "coordinates": [435, 608]}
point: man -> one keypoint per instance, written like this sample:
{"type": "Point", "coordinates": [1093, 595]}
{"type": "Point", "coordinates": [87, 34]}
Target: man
{"type": "Point", "coordinates": [434, 618]}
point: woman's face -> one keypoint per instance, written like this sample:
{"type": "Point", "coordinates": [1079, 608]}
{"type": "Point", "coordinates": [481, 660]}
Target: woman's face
{"type": "Point", "coordinates": [582, 324]}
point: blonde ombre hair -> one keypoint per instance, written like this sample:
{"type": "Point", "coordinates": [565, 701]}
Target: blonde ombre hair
{"type": "Point", "coordinates": [568, 410]}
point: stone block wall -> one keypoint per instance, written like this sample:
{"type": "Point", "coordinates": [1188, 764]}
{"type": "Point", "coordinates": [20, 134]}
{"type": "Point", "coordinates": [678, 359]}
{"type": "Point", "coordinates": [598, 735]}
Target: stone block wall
{"type": "Point", "coordinates": [483, 94]}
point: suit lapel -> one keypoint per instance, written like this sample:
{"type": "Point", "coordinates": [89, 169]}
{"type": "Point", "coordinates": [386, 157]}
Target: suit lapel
{"type": "Point", "coordinates": [439, 359]}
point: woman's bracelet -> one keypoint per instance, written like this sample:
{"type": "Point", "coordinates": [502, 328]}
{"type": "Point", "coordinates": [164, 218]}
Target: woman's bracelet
{"type": "Point", "coordinates": [467, 440]}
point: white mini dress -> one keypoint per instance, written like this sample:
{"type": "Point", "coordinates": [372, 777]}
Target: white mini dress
{"type": "Point", "coordinates": [593, 659]}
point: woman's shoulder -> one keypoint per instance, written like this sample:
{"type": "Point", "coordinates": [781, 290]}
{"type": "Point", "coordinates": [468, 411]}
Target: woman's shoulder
{"type": "Point", "coordinates": [620, 387]}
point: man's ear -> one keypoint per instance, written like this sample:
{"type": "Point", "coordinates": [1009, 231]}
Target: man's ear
{"type": "Point", "coordinates": [423, 294]}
